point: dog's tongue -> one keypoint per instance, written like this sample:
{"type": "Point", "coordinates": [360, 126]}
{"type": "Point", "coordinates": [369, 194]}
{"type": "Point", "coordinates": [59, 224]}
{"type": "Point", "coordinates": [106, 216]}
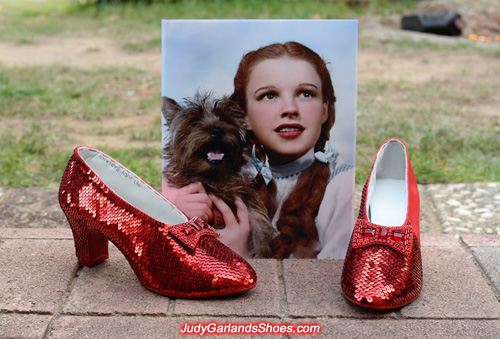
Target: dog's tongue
{"type": "Point", "coordinates": [215, 155]}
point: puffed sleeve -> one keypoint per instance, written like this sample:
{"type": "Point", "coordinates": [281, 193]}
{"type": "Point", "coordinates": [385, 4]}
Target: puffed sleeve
{"type": "Point", "coordinates": [335, 220]}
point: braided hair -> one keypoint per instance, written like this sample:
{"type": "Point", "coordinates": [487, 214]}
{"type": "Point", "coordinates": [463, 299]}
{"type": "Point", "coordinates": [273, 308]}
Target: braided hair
{"type": "Point", "coordinates": [296, 222]}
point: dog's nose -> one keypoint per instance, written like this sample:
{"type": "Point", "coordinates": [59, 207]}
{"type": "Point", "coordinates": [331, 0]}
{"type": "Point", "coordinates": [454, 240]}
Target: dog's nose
{"type": "Point", "coordinates": [217, 133]}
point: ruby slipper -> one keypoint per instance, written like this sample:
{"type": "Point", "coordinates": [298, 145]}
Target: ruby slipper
{"type": "Point", "coordinates": [383, 264]}
{"type": "Point", "coordinates": [169, 254]}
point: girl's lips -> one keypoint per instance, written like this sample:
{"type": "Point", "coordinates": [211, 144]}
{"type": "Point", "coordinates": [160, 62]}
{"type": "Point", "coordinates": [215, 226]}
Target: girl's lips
{"type": "Point", "coordinates": [289, 131]}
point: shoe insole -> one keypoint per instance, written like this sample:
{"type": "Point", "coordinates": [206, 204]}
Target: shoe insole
{"type": "Point", "coordinates": [388, 202]}
{"type": "Point", "coordinates": [131, 188]}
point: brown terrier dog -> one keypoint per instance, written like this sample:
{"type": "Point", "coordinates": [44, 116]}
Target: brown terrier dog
{"type": "Point", "coordinates": [208, 144]}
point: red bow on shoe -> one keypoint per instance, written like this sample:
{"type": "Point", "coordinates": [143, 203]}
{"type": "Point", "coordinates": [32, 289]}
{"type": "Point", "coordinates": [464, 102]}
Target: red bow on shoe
{"type": "Point", "coordinates": [190, 232]}
{"type": "Point", "coordinates": [399, 238]}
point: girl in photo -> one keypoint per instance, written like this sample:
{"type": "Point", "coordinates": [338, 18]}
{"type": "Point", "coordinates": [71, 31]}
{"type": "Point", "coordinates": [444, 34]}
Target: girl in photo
{"type": "Point", "coordinates": [288, 97]}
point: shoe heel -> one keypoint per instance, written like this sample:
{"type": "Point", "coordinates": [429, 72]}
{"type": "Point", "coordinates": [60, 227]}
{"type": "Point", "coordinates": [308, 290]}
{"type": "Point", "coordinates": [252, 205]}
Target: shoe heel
{"type": "Point", "coordinates": [91, 246]}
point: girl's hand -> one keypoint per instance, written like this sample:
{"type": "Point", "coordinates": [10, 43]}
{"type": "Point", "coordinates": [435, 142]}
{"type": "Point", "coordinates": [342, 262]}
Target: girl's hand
{"type": "Point", "coordinates": [193, 200]}
{"type": "Point", "coordinates": [235, 235]}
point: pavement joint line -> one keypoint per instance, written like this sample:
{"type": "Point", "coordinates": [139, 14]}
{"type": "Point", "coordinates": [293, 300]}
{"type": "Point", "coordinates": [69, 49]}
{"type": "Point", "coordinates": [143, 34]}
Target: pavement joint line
{"type": "Point", "coordinates": [480, 267]}
{"type": "Point", "coordinates": [282, 290]}
{"type": "Point", "coordinates": [243, 317]}
{"type": "Point", "coordinates": [4, 311]}
{"type": "Point", "coordinates": [444, 319]}
{"type": "Point", "coordinates": [114, 314]}
{"type": "Point", "coordinates": [354, 318]}
{"type": "Point", "coordinates": [62, 301]}
{"type": "Point", "coordinates": [222, 316]}
{"type": "Point", "coordinates": [34, 238]}
{"type": "Point", "coordinates": [158, 315]}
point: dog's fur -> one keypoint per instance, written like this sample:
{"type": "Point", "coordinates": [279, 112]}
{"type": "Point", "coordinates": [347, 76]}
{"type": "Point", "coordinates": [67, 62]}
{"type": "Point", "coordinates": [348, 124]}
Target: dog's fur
{"type": "Point", "coordinates": [208, 144]}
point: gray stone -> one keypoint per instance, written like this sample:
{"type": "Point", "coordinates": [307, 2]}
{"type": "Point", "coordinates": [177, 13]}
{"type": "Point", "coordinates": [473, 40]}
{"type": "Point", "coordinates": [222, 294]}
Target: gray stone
{"type": "Point", "coordinates": [466, 208]}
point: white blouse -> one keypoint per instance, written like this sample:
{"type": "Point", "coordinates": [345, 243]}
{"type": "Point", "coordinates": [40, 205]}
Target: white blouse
{"type": "Point", "coordinates": [335, 219]}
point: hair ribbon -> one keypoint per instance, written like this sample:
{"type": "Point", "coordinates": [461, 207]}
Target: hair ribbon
{"type": "Point", "coordinates": [328, 155]}
{"type": "Point", "coordinates": [262, 168]}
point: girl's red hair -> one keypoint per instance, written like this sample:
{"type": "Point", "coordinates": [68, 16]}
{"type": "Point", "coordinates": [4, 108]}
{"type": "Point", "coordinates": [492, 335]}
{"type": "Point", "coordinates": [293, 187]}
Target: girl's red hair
{"type": "Point", "coordinates": [296, 222]}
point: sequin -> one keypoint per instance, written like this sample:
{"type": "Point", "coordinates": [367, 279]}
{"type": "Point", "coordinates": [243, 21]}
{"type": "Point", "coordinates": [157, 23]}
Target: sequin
{"type": "Point", "coordinates": [184, 260]}
{"type": "Point", "coordinates": [383, 265]}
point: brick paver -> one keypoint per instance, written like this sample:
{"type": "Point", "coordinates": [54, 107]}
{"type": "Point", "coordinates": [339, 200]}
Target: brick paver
{"type": "Point", "coordinates": [262, 301]}
{"type": "Point", "coordinates": [35, 274]}
{"type": "Point", "coordinates": [45, 293]}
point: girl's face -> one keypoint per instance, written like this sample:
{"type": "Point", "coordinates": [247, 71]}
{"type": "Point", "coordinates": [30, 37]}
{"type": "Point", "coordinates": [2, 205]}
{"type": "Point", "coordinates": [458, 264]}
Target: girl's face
{"type": "Point", "coordinates": [285, 107]}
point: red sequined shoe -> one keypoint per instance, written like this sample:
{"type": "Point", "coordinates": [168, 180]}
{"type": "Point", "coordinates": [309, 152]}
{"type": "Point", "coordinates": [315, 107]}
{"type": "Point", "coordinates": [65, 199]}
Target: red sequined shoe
{"type": "Point", "coordinates": [383, 264]}
{"type": "Point", "coordinates": [169, 254]}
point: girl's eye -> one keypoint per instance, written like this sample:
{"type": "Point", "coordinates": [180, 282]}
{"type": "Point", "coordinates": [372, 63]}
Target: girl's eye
{"type": "Point", "coordinates": [268, 96]}
{"type": "Point", "coordinates": [307, 94]}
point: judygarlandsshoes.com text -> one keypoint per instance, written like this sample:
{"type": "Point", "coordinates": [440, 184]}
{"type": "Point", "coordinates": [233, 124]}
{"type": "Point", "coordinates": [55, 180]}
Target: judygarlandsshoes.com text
{"type": "Point", "coordinates": [248, 328]}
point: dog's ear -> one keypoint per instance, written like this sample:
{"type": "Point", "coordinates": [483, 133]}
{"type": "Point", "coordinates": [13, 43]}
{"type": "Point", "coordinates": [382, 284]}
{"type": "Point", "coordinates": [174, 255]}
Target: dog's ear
{"type": "Point", "coordinates": [169, 108]}
{"type": "Point", "coordinates": [238, 114]}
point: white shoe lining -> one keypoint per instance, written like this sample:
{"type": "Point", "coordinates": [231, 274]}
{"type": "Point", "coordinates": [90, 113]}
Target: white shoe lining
{"type": "Point", "coordinates": [387, 200]}
{"type": "Point", "coordinates": [131, 188]}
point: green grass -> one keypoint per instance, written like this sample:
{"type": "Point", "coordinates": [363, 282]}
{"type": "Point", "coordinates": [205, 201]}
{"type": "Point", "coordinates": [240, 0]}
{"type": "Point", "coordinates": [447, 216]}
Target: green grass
{"type": "Point", "coordinates": [35, 142]}
{"type": "Point", "coordinates": [57, 91]}
{"type": "Point", "coordinates": [440, 152]}
{"type": "Point", "coordinates": [25, 159]}
{"type": "Point", "coordinates": [30, 159]}
{"type": "Point", "coordinates": [448, 140]}
{"type": "Point", "coordinates": [408, 47]}
{"type": "Point", "coordinates": [136, 27]}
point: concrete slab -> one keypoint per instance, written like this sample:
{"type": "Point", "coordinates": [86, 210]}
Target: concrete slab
{"type": "Point", "coordinates": [445, 294]}
{"type": "Point", "coordinates": [142, 326]}
{"type": "Point", "coordinates": [313, 290]}
{"type": "Point", "coordinates": [489, 259]}
{"type": "Point", "coordinates": [406, 328]}
{"type": "Point", "coordinates": [112, 287]}
{"type": "Point", "coordinates": [35, 274]}
{"type": "Point", "coordinates": [30, 207]}
{"type": "Point", "coordinates": [261, 301]}
{"type": "Point", "coordinates": [23, 325]}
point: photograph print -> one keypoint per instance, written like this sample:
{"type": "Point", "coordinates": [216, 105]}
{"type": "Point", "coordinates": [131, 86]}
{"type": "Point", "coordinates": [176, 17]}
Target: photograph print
{"type": "Point", "coordinates": [259, 132]}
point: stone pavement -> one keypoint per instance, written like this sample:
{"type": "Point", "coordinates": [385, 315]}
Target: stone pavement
{"type": "Point", "coordinates": [45, 293]}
